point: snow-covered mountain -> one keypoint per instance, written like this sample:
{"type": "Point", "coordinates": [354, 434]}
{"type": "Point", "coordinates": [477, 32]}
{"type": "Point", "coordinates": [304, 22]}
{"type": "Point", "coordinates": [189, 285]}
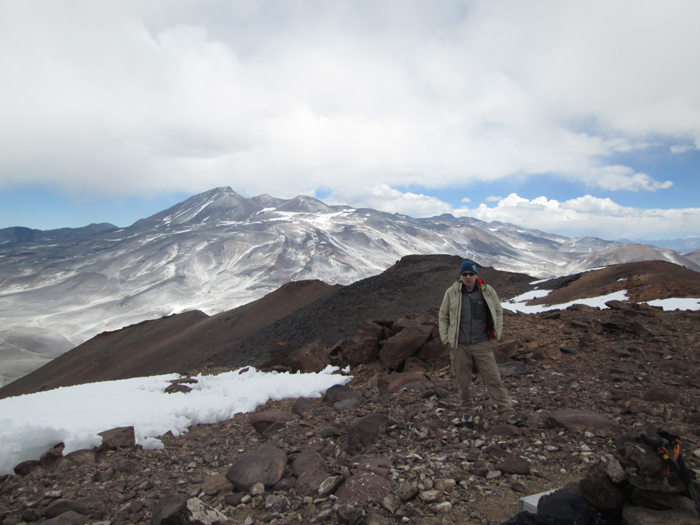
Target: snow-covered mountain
{"type": "Point", "coordinates": [218, 250]}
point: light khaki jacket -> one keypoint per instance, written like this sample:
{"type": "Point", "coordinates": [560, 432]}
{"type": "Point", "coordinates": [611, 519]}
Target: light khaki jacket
{"type": "Point", "coordinates": [452, 307]}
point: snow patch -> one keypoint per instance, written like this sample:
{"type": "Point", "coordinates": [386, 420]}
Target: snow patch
{"type": "Point", "coordinates": [517, 304]}
{"type": "Point", "coordinates": [32, 424]}
{"type": "Point", "coordinates": [676, 304]}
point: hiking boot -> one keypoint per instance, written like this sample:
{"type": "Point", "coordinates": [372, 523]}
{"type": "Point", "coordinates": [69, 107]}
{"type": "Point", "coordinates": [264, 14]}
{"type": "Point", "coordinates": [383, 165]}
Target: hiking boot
{"type": "Point", "coordinates": [466, 421]}
{"type": "Point", "coordinates": [515, 421]}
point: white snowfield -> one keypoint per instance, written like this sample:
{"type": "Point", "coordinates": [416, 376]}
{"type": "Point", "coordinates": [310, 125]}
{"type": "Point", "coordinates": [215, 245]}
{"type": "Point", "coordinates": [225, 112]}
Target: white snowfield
{"type": "Point", "coordinates": [34, 423]}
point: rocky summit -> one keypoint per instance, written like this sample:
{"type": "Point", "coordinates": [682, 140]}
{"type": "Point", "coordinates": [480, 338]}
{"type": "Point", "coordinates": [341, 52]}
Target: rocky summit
{"type": "Point", "coordinates": [386, 447]}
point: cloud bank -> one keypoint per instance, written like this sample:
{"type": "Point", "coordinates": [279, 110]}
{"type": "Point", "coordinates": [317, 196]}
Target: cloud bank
{"type": "Point", "coordinates": [588, 216]}
{"type": "Point", "coordinates": [358, 98]}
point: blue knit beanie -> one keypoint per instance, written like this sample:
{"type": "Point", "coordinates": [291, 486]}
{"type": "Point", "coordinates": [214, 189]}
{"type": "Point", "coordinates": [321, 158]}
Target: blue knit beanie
{"type": "Point", "coordinates": [468, 266]}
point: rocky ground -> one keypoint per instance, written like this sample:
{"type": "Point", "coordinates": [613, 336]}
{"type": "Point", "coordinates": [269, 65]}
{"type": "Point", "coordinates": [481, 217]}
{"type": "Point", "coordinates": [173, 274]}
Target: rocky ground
{"type": "Point", "coordinates": [388, 451]}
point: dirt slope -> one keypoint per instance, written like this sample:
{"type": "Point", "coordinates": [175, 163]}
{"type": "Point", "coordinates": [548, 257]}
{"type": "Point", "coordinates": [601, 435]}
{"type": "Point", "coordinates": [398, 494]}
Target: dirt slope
{"type": "Point", "coordinates": [172, 344]}
{"type": "Point", "coordinates": [644, 281]}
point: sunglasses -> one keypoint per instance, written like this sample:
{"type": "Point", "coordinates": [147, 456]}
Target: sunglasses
{"type": "Point", "coordinates": [470, 274]}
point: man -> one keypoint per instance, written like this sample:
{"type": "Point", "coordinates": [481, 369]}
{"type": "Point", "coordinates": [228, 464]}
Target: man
{"type": "Point", "coordinates": [471, 320]}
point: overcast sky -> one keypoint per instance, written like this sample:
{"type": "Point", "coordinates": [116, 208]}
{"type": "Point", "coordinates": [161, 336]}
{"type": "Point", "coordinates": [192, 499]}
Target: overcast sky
{"type": "Point", "coordinates": [579, 118]}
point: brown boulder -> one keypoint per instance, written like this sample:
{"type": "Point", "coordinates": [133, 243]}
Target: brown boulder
{"type": "Point", "coordinates": [514, 465]}
{"type": "Point", "coordinates": [661, 393]}
{"type": "Point", "coordinates": [415, 364]}
{"type": "Point", "coordinates": [363, 346]}
{"type": "Point", "coordinates": [403, 345]}
{"type": "Point", "coordinates": [25, 467]}
{"type": "Point", "coordinates": [431, 351]}
{"type": "Point", "coordinates": [117, 438]}
{"type": "Point", "coordinates": [303, 406]}
{"type": "Point", "coordinates": [51, 456]}
{"type": "Point", "coordinates": [313, 357]}
{"type": "Point", "coordinates": [267, 422]}
{"type": "Point", "coordinates": [506, 350]}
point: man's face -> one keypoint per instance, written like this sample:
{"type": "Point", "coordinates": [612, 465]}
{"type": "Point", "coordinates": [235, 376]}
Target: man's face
{"type": "Point", "coordinates": [469, 279]}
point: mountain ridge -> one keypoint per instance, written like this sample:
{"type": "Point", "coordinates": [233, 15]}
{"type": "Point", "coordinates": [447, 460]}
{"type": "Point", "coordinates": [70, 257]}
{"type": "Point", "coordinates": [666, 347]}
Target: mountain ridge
{"type": "Point", "coordinates": [305, 313]}
{"type": "Point", "coordinates": [218, 250]}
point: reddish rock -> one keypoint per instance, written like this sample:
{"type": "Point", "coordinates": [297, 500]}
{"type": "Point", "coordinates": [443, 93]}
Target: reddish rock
{"type": "Point", "coordinates": [396, 380]}
{"type": "Point", "coordinates": [364, 488]}
{"type": "Point", "coordinates": [309, 459]}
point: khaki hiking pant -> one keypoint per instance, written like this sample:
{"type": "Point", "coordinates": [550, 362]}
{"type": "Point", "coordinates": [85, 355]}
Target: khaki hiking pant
{"type": "Point", "coordinates": [480, 354]}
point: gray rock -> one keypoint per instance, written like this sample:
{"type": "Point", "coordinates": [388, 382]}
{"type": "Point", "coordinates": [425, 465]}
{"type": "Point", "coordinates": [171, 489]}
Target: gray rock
{"type": "Point", "coordinates": [575, 419]}
{"type": "Point", "coordinates": [366, 430]}
{"type": "Point", "coordinates": [265, 465]}
{"type": "Point", "coordinates": [59, 506]}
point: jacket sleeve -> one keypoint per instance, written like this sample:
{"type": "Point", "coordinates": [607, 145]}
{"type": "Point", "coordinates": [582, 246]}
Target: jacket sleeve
{"type": "Point", "coordinates": [498, 310]}
{"type": "Point", "coordinates": [444, 318]}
